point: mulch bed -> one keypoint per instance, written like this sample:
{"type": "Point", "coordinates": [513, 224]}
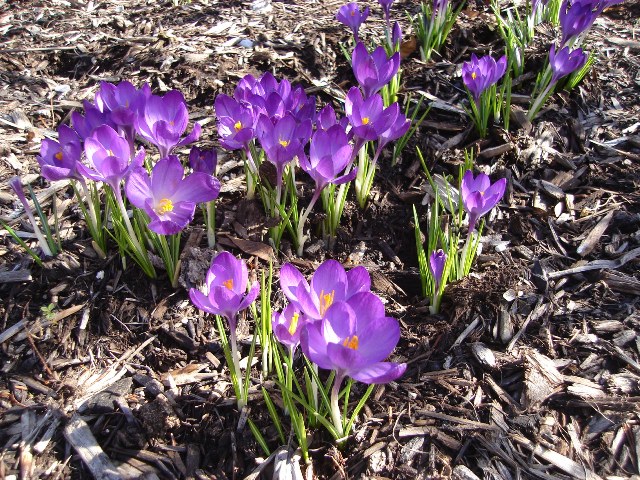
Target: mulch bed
{"type": "Point", "coordinates": [530, 371]}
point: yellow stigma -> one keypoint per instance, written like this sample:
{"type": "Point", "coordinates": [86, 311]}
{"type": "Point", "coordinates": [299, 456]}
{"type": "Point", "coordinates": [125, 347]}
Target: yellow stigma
{"type": "Point", "coordinates": [294, 323]}
{"type": "Point", "coordinates": [165, 205]}
{"type": "Point", "coordinates": [58, 156]}
{"type": "Point", "coordinates": [353, 13]}
{"type": "Point", "coordinates": [473, 75]}
{"type": "Point", "coordinates": [351, 342]}
{"type": "Point", "coordinates": [238, 126]}
{"type": "Point", "coordinates": [110, 153]}
{"type": "Point", "coordinates": [326, 300]}
{"type": "Point", "coordinates": [284, 143]}
{"type": "Point", "coordinates": [365, 121]}
{"type": "Point", "coordinates": [228, 283]}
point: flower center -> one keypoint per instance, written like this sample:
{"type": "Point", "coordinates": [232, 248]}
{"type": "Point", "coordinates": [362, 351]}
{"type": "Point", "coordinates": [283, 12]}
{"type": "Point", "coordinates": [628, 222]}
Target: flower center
{"type": "Point", "coordinates": [58, 156]}
{"type": "Point", "coordinates": [326, 300]}
{"type": "Point", "coordinates": [351, 342]}
{"type": "Point", "coordinates": [110, 153]}
{"type": "Point", "coordinates": [473, 75]}
{"type": "Point", "coordinates": [293, 326]}
{"type": "Point", "coordinates": [228, 283]}
{"type": "Point", "coordinates": [365, 121]}
{"type": "Point", "coordinates": [353, 13]}
{"type": "Point", "coordinates": [238, 126]}
{"type": "Point", "coordinates": [284, 143]}
{"type": "Point", "coordinates": [165, 205]}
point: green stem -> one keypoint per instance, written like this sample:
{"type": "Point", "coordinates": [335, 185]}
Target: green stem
{"type": "Point", "coordinates": [336, 417]}
{"type": "Point", "coordinates": [235, 356]}
{"type": "Point", "coordinates": [302, 238]}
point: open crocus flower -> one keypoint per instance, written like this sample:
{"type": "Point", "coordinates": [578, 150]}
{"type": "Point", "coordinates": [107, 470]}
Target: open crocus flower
{"type": "Point", "coordinates": [329, 154]}
{"type": "Point", "coordinates": [169, 199]}
{"type": "Point", "coordinates": [353, 339]}
{"type": "Point", "coordinates": [351, 16]}
{"type": "Point", "coordinates": [368, 117]}
{"type": "Point", "coordinates": [329, 284]}
{"type": "Point", "coordinates": [480, 74]}
{"type": "Point", "coordinates": [59, 160]}
{"type": "Point", "coordinates": [565, 62]}
{"type": "Point", "coordinates": [479, 196]}
{"type": "Point", "coordinates": [287, 326]}
{"type": "Point", "coordinates": [108, 154]}
{"type": "Point", "coordinates": [204, 161]}
{"type": "Point", "coordinates": [235, 122]}
{"type": "Point", "coordinates": [283, 139]}
{"type": "Point", "coordinates": [163, 121]}
{"type": "Point", "coordinates": [225, 289]}
{"type": "Point", "coordinates": [373, 71]}
{"type": "Point", "coordinates": [397, 129]}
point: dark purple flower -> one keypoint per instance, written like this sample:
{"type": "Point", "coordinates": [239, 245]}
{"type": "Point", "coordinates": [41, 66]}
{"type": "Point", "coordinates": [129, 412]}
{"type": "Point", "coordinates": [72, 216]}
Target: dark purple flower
{"type": "Point", "coordinates": [386, 8]}
{"type": "Point", "coordinates": [330, 283]}
{"type": "Point", "coordinates": [368, 117]}
{"type": "Point", "coordinates": [59, 160]}
{"type": "Point", "coordinates": [93, 118]}
{"type": "Point", "coordinates": [169, 199]}
{"type": "Point", "coordinates": [353, 338]}
{"type": "Point", "coordinates": [480, 74]}
{"type": "Point", "coordinates": [287, 326]}
{"type": "Point", "coordinates": [373, 71]}
{"type": "Point", "coordinates": [329, 154]}
{"type": "Point", "coordinates": [479, 196]}
{"type": "Point", "coordinates": [327, 119]}
{"type": "Point", "coordinates": [437, 261]}
{"type": "Point", "coordinates": [109, 156]}
{"type": "Point", "coordinates": [578, 17]}
{"type": "Point", "coordinates": [163, 121]}
{"type": "Point", "coordinates": [397, 129]}
{"type": "Point", "coordinates": [565, 62]}
{"type": "Point", "coordinates": [204, 161]}
{"type": "Point", "coordinates": [396, 36]}
{"type": "Point", "coordinates": [351, 16]}
{"type": "Point", "coordinates": [283, 139]}
{"type": "Point", "coordinates": [225, 289]}
{"type": "Point", "coordinates": [235, 123]}
{"type": "Point", "coordinates": [123, 101]}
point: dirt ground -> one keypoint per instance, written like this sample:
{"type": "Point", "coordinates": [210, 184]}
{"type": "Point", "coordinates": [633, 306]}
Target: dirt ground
{"type": "Point", "coordinates": [530, 371]}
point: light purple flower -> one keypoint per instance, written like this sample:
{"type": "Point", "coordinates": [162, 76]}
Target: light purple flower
{"type": "Point", "coordinates": [437, 261]}
{"type": "Point", "coordinates": [93, 118]}
{"type": "Point", "coordinates": [386, 8]}
{"type": "Point", "coordinates": [354, 338]}
{"type": "Point", "coordinates": [123, 102]}
{"type": "Point", "coordinates": [235, 122]}
{"type": "Point", "coordinates": [397, 129]}
{"type": "Point", "coordinates": [169, 199]}
{"type": "Point", "coordinates": [59, 160]}
{"type": "Point", "coordinates": [329, 154]}
{"type": "Point", "coordinates": [225, 289]}
{"type": "Point", "coordinates": [204, 161]}
{"type": "Point", "coordinates": [163, 121]}
{"type": "Point", "coordinates": [327, 119]}
{"type": "Point", "coordinates": [351, 16]}
{"type": "Point", "coordinates": [330, 283]}
{"type": "Point", "coordinates": [565, 62]}
{"type": "Point", "coordinates": [373, 71]}
{"type": "Point", "coordinates": [287, 326]}
{"type": "Point", "coordinates": [368, 117]}
{"type": "Point", "coordinates": [16, 184]}
{"type": "Point", "coordinates": [109, 156]}
{"type": "Point", "coordinates": [480, 74]}
{"type": "Point", "coordinates": [479, 196]}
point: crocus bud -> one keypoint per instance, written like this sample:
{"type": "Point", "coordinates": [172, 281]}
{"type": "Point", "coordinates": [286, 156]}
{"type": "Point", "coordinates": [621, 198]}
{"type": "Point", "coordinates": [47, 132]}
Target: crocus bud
{"type": "Point", "coordinates": [437, 261]}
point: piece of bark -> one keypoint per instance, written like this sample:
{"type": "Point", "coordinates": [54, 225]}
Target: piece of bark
{"type": "Point", "coordinates": [597, 265]}
{"type": "Point", "coordinates": [79, 436]}
{"type": "Point", "coordinates": [541, 378]}
{"type": "Point", "coordinates": [591, 240]}
{"type": "Point", "coordinates": [16, 276]}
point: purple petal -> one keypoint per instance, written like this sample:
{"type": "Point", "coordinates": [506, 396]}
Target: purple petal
{"type": "Point", "coordinates": [381, 372]}
{"type": "Point", "coordinates": [138, 188]}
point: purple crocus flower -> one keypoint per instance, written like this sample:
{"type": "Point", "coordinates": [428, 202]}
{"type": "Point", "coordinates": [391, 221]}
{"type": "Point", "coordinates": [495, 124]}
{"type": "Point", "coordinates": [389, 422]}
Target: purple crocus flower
{"type": "Point", "coordinates": [235, 123]}
{"type": "Point", "coordinates": [109, 156]}
{"type": "Point", "coordinates": [373, 71]}
{"type": "Point", "coordinates": [354, 338]}
{"type": "Point", "coordinates": [396, 36]}
{"type": "Point", "coordinates": [204, 161]}
{"type": "Point", "coordinates": [169, 199]}
{"type": "Point", "coordinates": [565, 62]}
{"type": "Point", "coordinates": [386, 8]}
{"type": "Point", "coordinates": [287, 326]}
{"type": "Point", "coordinates": [397, 129]}
{"type": "Point", "coordinates": [283, 139]}
{"type": "Point", "coordinates": [437, 261]}
{"type": "Point", "coordinates": [480, 74]}
{"type": "Point", "coordinates": [225, 289]}
{"type": "Point", "coordinates": [93, 118]}
{"type": "Point", "coordinates": [59, 160]}
{"type": "Point", "coordinates": [330, 283]}
{"type": "Point", "coordinates": [122, 101]}
{"type": "Point", "coordinates": [16, 184]}
{"type": "Point", "coordinates": [327, 119]}
{"type": "Point", "coordinates": [479, 196]}
{"type": "Point", "coordinates": [351, 16]}
{"type": "Point", "coordinates": [367, 116]}
{"type": "Point", "coordinates": [578, 17]}
{"type": "Point", "coordinates": [329, 154]}
{"type": "Point", "coordinates": [163, 121]}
